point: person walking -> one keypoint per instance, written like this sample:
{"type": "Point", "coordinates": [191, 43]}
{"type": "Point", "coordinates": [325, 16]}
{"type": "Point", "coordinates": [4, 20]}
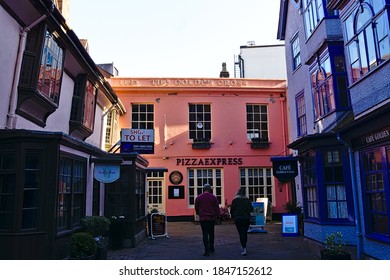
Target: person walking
{"type": "Point", "coordinates": [240, 211]}
{"type": "Point", "coordinates": [207, 207]}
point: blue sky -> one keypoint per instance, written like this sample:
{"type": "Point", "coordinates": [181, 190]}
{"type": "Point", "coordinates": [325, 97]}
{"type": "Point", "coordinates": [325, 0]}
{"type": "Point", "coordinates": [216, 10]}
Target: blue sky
{"type": "Point", "coordinates": [172, 38]}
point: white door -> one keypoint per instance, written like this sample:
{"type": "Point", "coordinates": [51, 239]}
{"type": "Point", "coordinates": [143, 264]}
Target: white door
{"type": "Point", "coordinates": [156, 193]}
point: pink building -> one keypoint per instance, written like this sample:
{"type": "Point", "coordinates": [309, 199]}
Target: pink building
{"type": "Point", "coordinates": [220, 131]}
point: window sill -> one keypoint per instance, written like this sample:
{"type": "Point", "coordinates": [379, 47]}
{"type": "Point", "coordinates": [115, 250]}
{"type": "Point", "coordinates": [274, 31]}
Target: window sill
{"type": "Point", "coordinates": [201, 145]}
{"type": "Point", "coordinates": [260, 145]}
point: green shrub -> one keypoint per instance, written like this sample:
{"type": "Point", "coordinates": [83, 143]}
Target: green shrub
{"type": "Point", "coordinates": [83, 245]}
{"type": "Point", "coordinates": [96, 225]}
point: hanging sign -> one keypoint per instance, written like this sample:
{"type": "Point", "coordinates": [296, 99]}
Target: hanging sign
{"type": "Point", "coordinates": [137, 140]}
{"type": "Point", "coordinates": [106, 173]}
{"type": "Point", "coordinates": [284, 168]}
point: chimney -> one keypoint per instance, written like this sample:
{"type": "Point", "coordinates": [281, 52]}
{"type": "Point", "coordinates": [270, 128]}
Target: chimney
{"type": "Point", "coordinates": [224, 73]}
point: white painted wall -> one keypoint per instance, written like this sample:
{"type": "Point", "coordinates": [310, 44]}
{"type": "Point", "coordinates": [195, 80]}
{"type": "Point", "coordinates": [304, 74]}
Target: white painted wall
{"type": "Point", "coordinates": [9, 34]}
{"type": "Point", "coordinates": [264, 62]}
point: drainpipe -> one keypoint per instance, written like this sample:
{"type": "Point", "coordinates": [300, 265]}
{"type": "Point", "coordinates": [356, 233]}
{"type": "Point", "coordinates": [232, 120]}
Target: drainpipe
{"type": "Point", "coordinates": [355, 197]}
{"type": "Point", "coordinates": [11, 118]}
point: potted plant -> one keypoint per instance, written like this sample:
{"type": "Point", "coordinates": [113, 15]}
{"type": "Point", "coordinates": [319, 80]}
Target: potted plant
{"type": "Point", "coordinates": [83, 246]}
{"type": "Point", "coordinates": [335, 247]}
{"type": "Point", "coordinates": [98, 226]}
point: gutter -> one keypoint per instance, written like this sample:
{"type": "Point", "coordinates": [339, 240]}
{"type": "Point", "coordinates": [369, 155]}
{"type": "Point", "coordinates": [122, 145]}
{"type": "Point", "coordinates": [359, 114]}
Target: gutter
{"type": "Point", "coordinates": [359, 235]}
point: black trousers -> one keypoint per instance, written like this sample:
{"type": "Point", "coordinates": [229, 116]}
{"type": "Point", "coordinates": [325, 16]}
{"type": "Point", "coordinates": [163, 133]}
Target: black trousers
{"type": "Point", "coordinates": [208, 235]}
{"type": "Point", "coordinates": [242, 226]}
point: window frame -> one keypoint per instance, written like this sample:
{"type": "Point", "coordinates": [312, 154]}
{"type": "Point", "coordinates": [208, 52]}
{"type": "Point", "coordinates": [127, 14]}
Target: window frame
{"type": "Point", "coordinates": [199, 122]}
{"type": "Point", "coordinates": [33, 104]}
{"type": "Point", "coordinates": [249, 176]}
{"type": "Point", "coordinates": [358, 48]}
{"type": "Point", "coordinates": [212, 176]}
{"type": "Point", "coordinates": [301, 114]}
{"type": "Point", "coordinates": [257, 126]}
{"type": "Point", "coordinates": [142, 116]}
{"type": "Point", "coordinates": [295, 52]}
{"type": "Point", "coordinates": [71, 221]}
{"type": "Point", "coordinates": [384, 153]}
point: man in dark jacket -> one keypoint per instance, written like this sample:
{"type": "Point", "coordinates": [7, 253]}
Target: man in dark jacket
{"type": "Point", "coordinates": [207, 207]}
{"type": "Point", "coordinates": [240, 210]}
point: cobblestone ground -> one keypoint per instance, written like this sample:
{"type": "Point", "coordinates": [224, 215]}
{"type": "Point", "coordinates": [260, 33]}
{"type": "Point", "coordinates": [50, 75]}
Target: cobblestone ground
{"type": "Point", "coordinates": [185, 243]}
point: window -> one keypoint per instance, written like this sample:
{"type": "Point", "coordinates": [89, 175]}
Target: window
{"type": "Point", "coordinates": [142, 116]}
{"type": "Point", "coordinates": [7, 189]}
{"type": "Point", "coordinates": [376, 192]}
{"type": "Point", "coordinates": [296, 52]}
{"type": "Point", "coordinates": [336, 198]}
{"type": "Point", "coordinates": [313, 13]}
{"type": "Point", "coordinates": [31, 190]}
{"type": "Point", "coordinates": [71, 193]}
{"type": "Point", "coordinates": [198, 177]}
{"type": "Point", "coordinates": [367, 33]}
{"type": "Point", "coordinates": [155, 181]}
{"type": "Point", "coordinates": [257, 182]}
{"type": "Point", "coordinates": [301, 115]}
{"type": "Point", "coordinates": [40, 75]}
{"type": "Point", "coordinates": [322, 85]}
{"type": "Point", "coordinates": [257, 121]}
{"type": "Point", "coordinates": [309, 181]}
{"type": "Point", "coordinates": [111, 128]}
{"type": "Point", "coordinates": [140, 194]}
{"type": "Point", "coordinates": [83, 107]}
{"type": "Point", "coordinates": [199, 121]}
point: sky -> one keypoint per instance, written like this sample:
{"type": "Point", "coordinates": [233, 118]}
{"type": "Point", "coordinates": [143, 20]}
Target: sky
{"type": "Point", "coordinates": [172, 38]}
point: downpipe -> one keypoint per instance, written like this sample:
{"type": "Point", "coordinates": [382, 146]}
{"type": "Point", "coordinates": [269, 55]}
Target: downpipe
{"type": "Point", "coordinates": [359, 235]}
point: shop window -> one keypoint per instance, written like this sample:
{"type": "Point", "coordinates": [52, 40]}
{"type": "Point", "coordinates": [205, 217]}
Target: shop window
{"type": "Point", "coordinates": [40, 76]}
{"type": "Point", "coordinates": [71, 193]}
{"type": "Point", "coordinates": [309, 181]}
{"type": "Point", "coordinates": [82, 116]}
{"type": "Point", "coordinates": [376, 192]}
{"type": "Point", "coordinates": [140, 194]}
{"type": "Point", "coordinates": [336, 198]}
{"type": "Point", "coordinates": [367, 33]}
{"type": "Point", "coordinates": [142, 116]}
{"type": "Point", "coordinates": [197, 178]}
{"type": "Point", "coordinates": [257, 183]}
{"type": "Point", "coordinates": [199, 122]}
{"type": "Point", "coordinates": [7, 189]}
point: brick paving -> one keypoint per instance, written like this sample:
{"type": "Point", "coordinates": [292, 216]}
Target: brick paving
{"type": "Point", "coordinates": [185, 243]}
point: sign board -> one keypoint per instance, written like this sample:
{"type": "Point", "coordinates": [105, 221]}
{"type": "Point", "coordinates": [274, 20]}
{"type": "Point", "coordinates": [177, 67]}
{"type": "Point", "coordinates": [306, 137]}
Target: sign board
{"type": "Point", "coordinates": [137, 140]}
{"type": "Point", "coordinates": [158, 225]}
{"type": "Point", "coordinates": [284, 168]}
{"type": "Point", "coordinates": [106, 173]}
{"type": "Point", "coordinates": [257, 218]}
{"type": "Point", "coordinates": [290, 225]}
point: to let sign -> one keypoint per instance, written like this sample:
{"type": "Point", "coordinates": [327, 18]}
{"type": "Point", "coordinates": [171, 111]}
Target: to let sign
{"type": "Point", "coordinates": [137, 140]}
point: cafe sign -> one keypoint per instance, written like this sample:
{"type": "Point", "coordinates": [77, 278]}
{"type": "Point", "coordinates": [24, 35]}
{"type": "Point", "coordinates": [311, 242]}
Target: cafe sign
{"type": "Point", "coordinates": [284, 168]}
{"type": "Point", "coordinates": [106, 173]}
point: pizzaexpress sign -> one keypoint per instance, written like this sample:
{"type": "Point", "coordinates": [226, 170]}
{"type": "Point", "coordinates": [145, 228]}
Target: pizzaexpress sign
{"type": "Point", "coordinates": [208, 161]}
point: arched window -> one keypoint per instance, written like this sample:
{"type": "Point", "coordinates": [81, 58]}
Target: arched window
{"type": "Point", "coordinates": [367, 32]}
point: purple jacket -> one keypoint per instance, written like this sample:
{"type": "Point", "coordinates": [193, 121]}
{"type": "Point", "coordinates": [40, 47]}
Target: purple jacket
{"type": "Point", "coordinates": [207, 206]}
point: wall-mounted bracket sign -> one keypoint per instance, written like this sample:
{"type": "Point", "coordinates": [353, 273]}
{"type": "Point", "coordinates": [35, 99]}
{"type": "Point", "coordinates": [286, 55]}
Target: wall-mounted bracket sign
{"type": "Point", "coordinates": [106, 173]}
{"type": "Point", "coordinates": [284, 168]}
{"type": "Point", "coordinates": [137, 140]}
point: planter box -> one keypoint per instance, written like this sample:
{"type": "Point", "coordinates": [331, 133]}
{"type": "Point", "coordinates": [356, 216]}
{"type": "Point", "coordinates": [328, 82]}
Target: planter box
{"type": "Point", "coordinates": [326, 256]}
{"type": "Point", "coordinates": [199, 145]}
